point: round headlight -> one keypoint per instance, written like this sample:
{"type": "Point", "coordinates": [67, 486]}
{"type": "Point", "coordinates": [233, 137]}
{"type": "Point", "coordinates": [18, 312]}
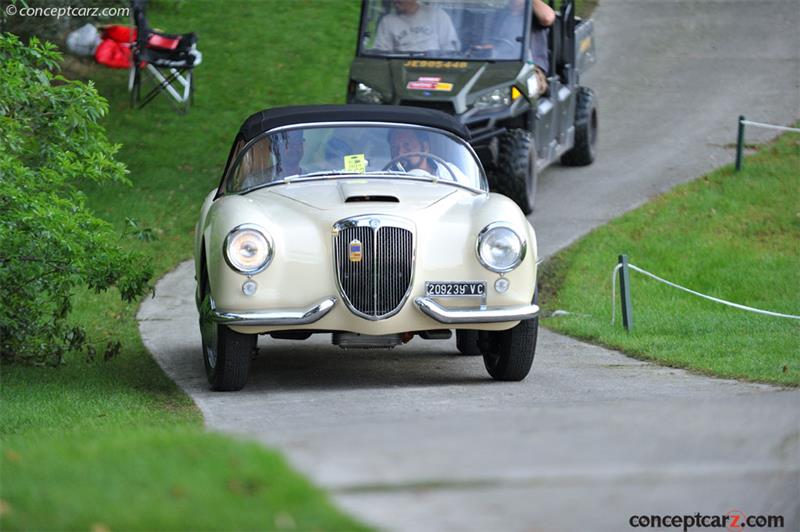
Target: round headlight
{"type": "Point", "coordinates": [500, 248]}
{"type": "Point", "coordinates": [248, 250]}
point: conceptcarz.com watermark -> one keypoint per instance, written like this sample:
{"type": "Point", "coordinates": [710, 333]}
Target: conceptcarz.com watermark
{"type": "Point", "coordinates": [733, 520]}
{"type": "Point", "coordinates": [13, 10]}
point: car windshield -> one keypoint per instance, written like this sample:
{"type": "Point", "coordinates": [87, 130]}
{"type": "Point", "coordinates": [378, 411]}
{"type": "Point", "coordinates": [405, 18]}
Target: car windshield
{"type": "Point", "coordinates": [443, 29]}
{"type": "Point", "coordinates": [326, 152]}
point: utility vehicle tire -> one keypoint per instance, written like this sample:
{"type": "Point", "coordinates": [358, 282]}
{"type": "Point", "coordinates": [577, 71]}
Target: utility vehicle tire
{"type": "Point", "coordinates": [582, 153]}
{"type": "Point", "coordinates": [226, 353]}
{"type": "Point", "coordinates": [516, 175]}
{"type": "Point", "coordinates": [467, 342]}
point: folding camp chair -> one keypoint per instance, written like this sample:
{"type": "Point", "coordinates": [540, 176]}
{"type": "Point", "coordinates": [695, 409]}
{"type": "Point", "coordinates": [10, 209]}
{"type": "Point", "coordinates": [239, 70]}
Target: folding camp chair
{"type": "Point", "coordinates": [168, 59]}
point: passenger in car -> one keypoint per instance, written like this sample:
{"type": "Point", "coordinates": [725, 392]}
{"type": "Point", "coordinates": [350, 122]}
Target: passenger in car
{"type": "Point", "coordinates": [257, 166]}
{"type": "Point", "coordinates": [289, 149]}
{"type": "Point", "coordinates": [544, 17]}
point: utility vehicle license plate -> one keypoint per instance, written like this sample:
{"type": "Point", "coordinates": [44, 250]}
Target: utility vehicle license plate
{"type": "Point", "coordinates": [455, 288]}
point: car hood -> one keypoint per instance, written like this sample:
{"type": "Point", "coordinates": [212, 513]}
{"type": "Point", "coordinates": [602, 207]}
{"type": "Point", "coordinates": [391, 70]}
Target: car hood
{"type": "Point", "coordinates": [334, 193]}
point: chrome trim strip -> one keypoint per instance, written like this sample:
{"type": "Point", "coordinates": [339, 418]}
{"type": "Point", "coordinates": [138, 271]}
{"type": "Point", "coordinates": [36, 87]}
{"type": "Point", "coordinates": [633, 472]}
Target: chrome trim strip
{"type": "Point", "coordinates": [475, 315]}
{"type": "Point", "coordinates": [302, 316]}
{"type": "Point", "coordinates": [363, 220]}
{"type": "Point", "coordinates": [387, 175]}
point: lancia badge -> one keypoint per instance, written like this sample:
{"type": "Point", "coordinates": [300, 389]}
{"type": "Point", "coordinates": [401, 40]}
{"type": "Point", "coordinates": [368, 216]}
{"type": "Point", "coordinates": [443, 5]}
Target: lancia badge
{"type": "Point", "coordinates": [355, 249]}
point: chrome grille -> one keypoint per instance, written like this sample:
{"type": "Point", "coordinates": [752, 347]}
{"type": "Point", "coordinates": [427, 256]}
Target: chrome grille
{"type": "Point", "coordinates": [376, 286]}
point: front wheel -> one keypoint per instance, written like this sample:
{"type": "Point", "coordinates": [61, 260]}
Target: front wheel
{"type": "Point", "coordinates": [467, 342]}
{"type": "Point", "coordinates": [226, 353]}
{"type": "Point", "coordinates": [516, 168]}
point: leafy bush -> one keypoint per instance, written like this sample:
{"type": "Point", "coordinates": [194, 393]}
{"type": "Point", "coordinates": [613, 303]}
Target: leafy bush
{"type": "Point", "coordinates": [50, 243]}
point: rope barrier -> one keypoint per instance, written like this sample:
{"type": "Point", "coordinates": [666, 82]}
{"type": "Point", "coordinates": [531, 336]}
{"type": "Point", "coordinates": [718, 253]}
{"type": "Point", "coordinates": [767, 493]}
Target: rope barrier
{"type": "Point", "coordinates": [770, 126]}
{"type": "Point", "coordinates": [740, 137]}
{"type": "Point", "coordinates": [679, 287]}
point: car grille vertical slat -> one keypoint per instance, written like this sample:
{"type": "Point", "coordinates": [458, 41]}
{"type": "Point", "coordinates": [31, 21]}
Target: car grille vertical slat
{"type": "Point", "coordinates": [377, 285]}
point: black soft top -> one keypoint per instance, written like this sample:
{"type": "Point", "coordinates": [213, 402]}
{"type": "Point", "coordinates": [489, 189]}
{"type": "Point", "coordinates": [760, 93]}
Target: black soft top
{"type": "Point", "coordinates": [303, 114]}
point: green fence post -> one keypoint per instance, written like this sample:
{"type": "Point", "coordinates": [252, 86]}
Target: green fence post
{"type": "Point", "coordinates": [740, 144]}
{"type": "Point", "coordinates": [625, 293]}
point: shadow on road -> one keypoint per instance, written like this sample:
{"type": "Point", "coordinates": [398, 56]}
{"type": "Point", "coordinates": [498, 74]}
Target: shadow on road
{"type": "Point", "coordinates": [300, 366]}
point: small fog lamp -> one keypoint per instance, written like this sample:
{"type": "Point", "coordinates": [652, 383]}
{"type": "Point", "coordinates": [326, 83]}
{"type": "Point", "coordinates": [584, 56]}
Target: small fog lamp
{"type": "Point", "coordinates": [502, 285]}
{"type": "Point", "coordinates": [249, 287]}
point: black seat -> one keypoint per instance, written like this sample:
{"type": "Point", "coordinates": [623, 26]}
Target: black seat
{"type": "Point", "coordinates": [566, 49]}
{"type": "Point", "coordinates": [555, 45]}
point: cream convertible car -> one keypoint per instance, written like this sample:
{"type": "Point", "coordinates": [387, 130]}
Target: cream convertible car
{"type": "Point", "coordinates": [370, 223]}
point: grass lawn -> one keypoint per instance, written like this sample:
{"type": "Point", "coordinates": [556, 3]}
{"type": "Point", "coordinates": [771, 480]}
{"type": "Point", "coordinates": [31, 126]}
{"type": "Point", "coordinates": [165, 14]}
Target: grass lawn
{"type": "Point", "coordinates": [584, 8]}
{"type": "Point", "coordinates": [732, 236]}
{"type": "Point", "coordinates": [115, 444]}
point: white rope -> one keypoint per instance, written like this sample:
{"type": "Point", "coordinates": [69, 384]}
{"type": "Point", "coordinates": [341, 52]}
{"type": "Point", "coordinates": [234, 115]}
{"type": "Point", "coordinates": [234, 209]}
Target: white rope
{"type": "Point", "coordinates": [770, 126]}
{"type": "Point", "coordinates": [679, 287]}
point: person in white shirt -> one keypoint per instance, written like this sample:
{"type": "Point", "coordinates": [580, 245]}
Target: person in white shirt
{"type": "Point", "coordinates": [409, 147]}
{"type": "Point", "coordinates": [415, 27]}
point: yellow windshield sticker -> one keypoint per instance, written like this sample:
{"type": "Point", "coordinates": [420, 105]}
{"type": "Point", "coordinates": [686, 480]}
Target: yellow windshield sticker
{"type": "Point", "coordinates": [585, 44]}
{"type": "Point", "coordinates": [356, 163]}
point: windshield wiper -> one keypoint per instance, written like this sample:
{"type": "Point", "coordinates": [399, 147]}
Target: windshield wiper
{"type": "Point", "coordinates": [427, 176]}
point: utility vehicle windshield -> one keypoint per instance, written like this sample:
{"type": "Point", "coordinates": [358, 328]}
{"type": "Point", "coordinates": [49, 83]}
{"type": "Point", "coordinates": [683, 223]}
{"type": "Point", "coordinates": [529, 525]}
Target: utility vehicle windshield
{"type": "Point", "coordinates": [443, 29]}
{"type": "Point", "coordinates": [327, 152]}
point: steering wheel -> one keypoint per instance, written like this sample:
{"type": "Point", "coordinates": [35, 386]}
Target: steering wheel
{"type": "Point", "coordinates": [442, 162]}
{"type": "Point", "coordinates": [495, 47]}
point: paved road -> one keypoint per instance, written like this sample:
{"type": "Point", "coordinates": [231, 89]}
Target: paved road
{"type": "Point", "coordinates": [418, 439]}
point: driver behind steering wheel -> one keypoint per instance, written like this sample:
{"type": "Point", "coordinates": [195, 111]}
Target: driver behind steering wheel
{"type": "Point", "coordinates": [415, 27]}
{"type": "Point", "coordinates": [409, 148]}
{"type": "Point", "coordinates": [412, 144]}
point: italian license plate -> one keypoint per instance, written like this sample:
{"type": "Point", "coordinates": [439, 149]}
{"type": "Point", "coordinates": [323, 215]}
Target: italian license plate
{"type": "Point", "coordinates": [455, 288]}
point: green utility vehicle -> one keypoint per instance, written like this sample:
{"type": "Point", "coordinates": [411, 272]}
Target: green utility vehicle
{"type": "Point", "coordinates": [476, 59]}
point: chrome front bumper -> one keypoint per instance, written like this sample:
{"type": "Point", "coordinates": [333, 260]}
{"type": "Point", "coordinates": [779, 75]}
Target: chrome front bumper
{"type": "Point", "coordinates": [305, 316]}
{"type": "Point", "coordinates": [475, 315]}
{"type": "Point", "coordinates": [264, 318]}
